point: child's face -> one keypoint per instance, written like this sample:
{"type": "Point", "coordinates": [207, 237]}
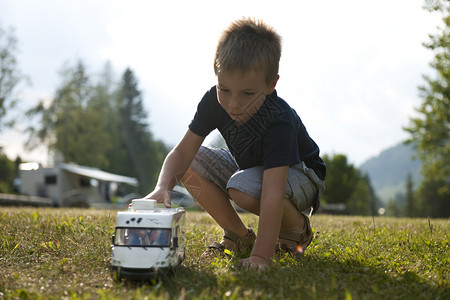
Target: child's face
{"type": "Point", "coordinates": [242, 93]}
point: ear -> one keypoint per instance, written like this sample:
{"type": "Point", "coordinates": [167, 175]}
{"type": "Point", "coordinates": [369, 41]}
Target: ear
{"type": "Point", "coordinates": [272, 85]}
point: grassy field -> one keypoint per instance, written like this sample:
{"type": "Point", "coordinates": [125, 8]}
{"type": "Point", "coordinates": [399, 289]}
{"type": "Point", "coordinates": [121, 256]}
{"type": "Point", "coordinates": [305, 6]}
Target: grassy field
{"type": "Point", "coordinates": [65, 253]}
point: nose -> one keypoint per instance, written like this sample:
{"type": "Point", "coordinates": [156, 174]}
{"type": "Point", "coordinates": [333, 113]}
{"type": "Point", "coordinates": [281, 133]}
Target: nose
{"type": "Point", "coordinates": [234, 104]}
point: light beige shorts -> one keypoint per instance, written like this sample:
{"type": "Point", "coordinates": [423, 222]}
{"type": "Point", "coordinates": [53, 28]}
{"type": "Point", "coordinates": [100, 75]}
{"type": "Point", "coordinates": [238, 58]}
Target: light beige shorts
{"type": "Point", "coordinates": [303, 186]}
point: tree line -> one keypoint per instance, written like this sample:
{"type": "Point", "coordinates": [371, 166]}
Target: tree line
{"type": "Point", "coordinates": [430, 130]}
{"type": "Point", "coordinates": [97, 122]}
{"type": "Point", "coordinates": [429, 133]}
{"type": "Point", "coordinates": [10, 78]}
{"type": "Point", "coordinates": [100, 124]}
{"type": "Point", "coordinates": [103, 123]}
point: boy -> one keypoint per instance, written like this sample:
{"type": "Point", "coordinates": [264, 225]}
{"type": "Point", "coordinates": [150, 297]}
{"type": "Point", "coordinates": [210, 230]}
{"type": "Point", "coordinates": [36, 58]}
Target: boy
{"type": "Point", "coordinates": [272, 169]}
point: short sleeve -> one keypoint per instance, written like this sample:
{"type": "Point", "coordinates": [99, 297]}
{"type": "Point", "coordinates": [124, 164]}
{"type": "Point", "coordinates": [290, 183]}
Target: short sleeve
{"type": "Point", "coordinates": [280, 145]}
{"type": "Point", "coordinates": [203, 122]}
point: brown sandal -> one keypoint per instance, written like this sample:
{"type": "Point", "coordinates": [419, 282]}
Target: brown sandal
{"type": "Point", "coordinates": [241, 243]}
{"type": "Point", "coordinates": [296, 242]}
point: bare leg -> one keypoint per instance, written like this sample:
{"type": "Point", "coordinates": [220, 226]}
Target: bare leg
{"type": "Point", "coordinates": [291, 220]}
{"type": "Point", "coordinates": [214, 201]}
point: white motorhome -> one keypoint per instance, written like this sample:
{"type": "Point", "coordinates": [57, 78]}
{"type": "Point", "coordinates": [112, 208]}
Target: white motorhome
{"type": "Point", "coordinates": [148, 240]}
{"type": "Point", "coordinates": [69, 184]}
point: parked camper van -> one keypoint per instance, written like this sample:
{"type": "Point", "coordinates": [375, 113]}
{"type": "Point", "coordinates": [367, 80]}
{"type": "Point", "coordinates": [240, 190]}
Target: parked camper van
{"type": "Point", "coordinates": [69, 184]}
{"type": "Point", "coordinates": [148, 240]}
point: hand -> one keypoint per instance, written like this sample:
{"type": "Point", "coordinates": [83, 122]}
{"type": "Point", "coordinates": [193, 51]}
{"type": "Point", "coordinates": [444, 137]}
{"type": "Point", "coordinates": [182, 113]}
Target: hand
{"type": "Point", "coordinates": [161, 196]}
{"type": "Point", "coordinates": [254, 262]}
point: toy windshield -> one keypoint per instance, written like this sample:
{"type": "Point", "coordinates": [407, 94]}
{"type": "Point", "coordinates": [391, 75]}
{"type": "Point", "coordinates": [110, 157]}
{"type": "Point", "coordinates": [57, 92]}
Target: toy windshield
{"type": "Point", "coordinates": [155, 237]}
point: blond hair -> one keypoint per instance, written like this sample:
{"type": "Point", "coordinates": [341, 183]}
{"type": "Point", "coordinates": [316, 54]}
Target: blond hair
{"type": "Point", "coordinates": [246, 45]}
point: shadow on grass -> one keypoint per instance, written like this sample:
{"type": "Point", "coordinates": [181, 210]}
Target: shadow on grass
{"type": "Point", "coordinates": [305, 278]}
{"type": "Point", "coordinates": [180, 283]}
{"type": "Point", "coordinates": [311, 278]}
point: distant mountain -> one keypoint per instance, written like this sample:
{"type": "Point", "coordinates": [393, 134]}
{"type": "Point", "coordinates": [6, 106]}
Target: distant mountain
{"type": "Point", "coordinates": [388, 171]}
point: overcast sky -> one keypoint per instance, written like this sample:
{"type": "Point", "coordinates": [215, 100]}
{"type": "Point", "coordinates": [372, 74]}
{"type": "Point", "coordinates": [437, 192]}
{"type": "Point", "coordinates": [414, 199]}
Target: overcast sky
{"type": "Point", "coordinates": [350, 68]}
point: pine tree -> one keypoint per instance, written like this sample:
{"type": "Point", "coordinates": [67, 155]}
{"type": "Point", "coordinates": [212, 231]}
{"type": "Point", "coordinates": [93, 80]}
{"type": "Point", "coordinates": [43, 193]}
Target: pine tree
{"type": "Point", "coordinates": [410, 205]}
{"type": "Point", "coordinates": [73, 124]}
{"type": "Point", "coordinates": [431, 130]}
{"type": "Point", "coordinates": [345, 184]}
{"type": "Point", "coordinates": [10, 74]}
{"type": "Point", "coordinates": [144, 155]}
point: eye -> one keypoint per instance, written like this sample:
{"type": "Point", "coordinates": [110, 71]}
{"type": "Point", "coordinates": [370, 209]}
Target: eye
{"type": "Point", "coordinates": [249, 93]}
{"type": "Point", "coordinates": [223, 90]}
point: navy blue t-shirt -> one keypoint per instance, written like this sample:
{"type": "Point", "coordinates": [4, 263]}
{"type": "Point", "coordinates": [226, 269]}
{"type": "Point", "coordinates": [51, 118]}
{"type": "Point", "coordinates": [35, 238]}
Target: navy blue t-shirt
{"type": "Point", "coordinates": [274, 136]}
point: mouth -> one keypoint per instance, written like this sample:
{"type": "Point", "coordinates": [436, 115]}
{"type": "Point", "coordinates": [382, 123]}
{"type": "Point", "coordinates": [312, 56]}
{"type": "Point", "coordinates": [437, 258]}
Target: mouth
{"type": "Point", "coordinates": [234, 116]}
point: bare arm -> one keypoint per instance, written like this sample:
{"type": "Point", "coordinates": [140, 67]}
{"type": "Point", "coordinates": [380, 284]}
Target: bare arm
{"type": "Point", "coordinates": [175, 165]}
{"type": "Point", "coordinates": [271, 211]}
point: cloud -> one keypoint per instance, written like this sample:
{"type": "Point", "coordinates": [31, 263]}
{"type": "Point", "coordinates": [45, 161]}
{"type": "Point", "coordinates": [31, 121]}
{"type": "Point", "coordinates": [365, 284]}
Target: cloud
{"type": "Point", "coordinates": [350, 68]}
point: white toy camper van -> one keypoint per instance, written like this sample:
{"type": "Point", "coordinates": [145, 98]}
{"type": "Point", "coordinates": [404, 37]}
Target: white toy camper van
{"type": "Point", "coordinates": [148, 240]}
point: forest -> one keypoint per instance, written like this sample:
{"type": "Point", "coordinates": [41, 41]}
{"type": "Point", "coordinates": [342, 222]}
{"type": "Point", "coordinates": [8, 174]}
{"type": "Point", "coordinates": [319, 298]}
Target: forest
{"type": "Point", "coordinates": [102, 122]}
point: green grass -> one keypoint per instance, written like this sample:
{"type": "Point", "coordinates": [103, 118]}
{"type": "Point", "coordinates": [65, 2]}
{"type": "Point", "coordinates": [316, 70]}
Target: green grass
{"type": "Point", "coordinates": [65, 253]}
